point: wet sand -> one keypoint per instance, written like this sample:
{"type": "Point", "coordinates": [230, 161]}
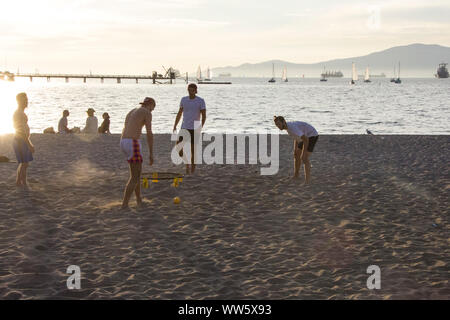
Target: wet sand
{"type": "Point", "coordinates": [375, 200]}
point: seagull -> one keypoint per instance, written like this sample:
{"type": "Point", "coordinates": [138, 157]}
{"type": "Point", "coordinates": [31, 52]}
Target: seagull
{"type": "Point", "coordinates": [368, 131]}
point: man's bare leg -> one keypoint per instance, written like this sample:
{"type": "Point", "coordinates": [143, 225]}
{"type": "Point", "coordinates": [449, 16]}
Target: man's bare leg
{"type": "Point", "coordinates": [297, 162]}
{"type": "Point", "coordinates": [19, 175]}
{"type": "Point", "coordinates": [135, 176]}
{"type": "Point", "coordinates": [24, 173]}
{"type": "Point", "coordinates": [137, 190]}
{"type": "Point", "coordinates": [307, 165]}
{"type": "Point", "coordinates": [192, 158]}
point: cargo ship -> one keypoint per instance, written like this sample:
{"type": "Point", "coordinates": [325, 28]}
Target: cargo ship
{"type": "Point", "coordinates": [442, 71]}
{"type": "Point", "coordinates": [332, 74]}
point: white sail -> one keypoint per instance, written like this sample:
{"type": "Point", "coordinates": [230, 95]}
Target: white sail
{"type": "Point", "coordinates": [199, 73]}
{"type": "Point", "coordinates": [354, 74]}
{"type": "Point", "coordinates": [366, 76]}
{"type": "Point", "coordinates": [208, 73]}
{"type": "Point", "coordinates": [284, 74]}
{"type": "Point", "coordinates": [273, 70]}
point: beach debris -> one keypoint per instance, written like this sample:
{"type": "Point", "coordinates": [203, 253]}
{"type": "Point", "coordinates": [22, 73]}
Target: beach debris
{"type": "Point", "coordinates": [368, 131]}
{"type": "Point", "coordinates": [4, 159]}
{"type": "Point", "coordinates": [434, 225]}
{"type": "Point", "coordinates": [49, 130]}
{"type": "Point", "coordinates": [176, 200]}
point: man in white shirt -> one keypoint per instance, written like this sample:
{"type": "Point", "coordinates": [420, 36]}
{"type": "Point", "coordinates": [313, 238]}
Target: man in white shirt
{"type": "Point", "coordinates": [305, 138]}
{"type": "Point", "coordinates": [191, 107]}
{"type": "Point", "coordinates": [91, 123]}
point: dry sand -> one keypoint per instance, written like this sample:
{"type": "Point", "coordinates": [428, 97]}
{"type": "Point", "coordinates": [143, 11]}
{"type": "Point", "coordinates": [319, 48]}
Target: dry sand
{"type": "Point", "coordinates": [376, 200]}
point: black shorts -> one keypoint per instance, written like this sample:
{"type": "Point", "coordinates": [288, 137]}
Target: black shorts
{"type": "Point", "coordinates": [191, 132]}
{"type": "Point", "coordinates": [311, 144]}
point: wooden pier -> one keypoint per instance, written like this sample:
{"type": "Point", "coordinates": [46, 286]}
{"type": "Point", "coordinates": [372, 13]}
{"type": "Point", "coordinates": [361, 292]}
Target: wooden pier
{"type": "Point", "coordinates": [156, 78]}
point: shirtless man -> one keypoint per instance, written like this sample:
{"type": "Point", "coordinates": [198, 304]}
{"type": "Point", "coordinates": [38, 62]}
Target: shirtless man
{"type": "Point", "coordinates": [131, 145]}
{"type": "Point", "coordinates": [23, 147]}
{"type": "Point", "coordinates": [305, 138]}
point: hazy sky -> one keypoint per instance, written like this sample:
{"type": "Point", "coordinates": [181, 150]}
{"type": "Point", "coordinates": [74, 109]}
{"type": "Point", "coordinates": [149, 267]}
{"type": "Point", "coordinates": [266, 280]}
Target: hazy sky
{"type": "Point", "coordinates": [138, 36]}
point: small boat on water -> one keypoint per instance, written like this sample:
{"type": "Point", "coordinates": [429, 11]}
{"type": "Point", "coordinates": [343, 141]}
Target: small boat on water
{"type": "Point", "coordinates": [284, 75]}
{"type": "Point", "coordinates": [273, 73]}
{"type": "Point", "coordinates": [367, 76]}
{"type": "Point", "coordinates": [208, 78]}
{"type": "Point", "coordinates": [199, 74]}
{"type": "Point", "coordinates": [398, 80]}
{"type": "Point", "coordinates": [354, 74]}
{"type": "Point", "coordinates": [395, 74]}
{"type": "Point", "coordinates": [442, 71]}
{"type": "Point", "coordinates": [323, 76]}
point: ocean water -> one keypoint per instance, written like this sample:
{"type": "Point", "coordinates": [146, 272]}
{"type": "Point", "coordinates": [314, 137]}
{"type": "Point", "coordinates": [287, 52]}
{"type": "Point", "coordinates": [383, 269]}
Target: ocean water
{"type": "Point", "coordinates": [417, 106]}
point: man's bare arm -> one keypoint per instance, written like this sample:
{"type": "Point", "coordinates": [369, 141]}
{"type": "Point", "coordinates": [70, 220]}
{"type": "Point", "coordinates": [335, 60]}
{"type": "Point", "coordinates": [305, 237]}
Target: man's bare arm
{"type": "Point", "coordinates": [203, 116]}
{"type": "Point", "coordinates": [177, 119]}
{"type": "Point", "coordinates": [148, 127]}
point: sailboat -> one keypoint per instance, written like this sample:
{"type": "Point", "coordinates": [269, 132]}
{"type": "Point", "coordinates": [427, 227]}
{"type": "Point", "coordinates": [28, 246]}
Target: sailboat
{"type": "Point", "coordinates": [273, 73]}
{"type": "Point", "coordinates": [284, 75]}
{"type": "Point", "coordinates": [395, 74]}
{"type": "Point", "coordinates": [366, 76]}
{"type": "Point", "coordinates": [398, 77]}
{"type": "Point", "coordinates": [354, 74]}
{"type": "Point", "coordinates": [199, 74]}
{"type": "Point", "coordinates": [323, 79]}
{"type": "Point", "coordinates": [208, 75]}
{"type": "Point", "coordinates": [208, 78]}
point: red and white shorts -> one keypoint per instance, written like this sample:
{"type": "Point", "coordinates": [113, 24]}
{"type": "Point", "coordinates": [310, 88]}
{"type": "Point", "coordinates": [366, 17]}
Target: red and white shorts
{"type": "Point", "coordinates": [132, 149]}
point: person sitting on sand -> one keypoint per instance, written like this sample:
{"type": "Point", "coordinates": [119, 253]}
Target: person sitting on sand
{"type": "Point", "coordinates": [191, 107]}
{"type": "Point", "coordinates": [104, 127]}
{"type": "Point", "coordinates": [63, 122]}
{"type": "Point", "coordinates": [91, 122]}
{"type": "Point", "coordinates": [131, 146]}
{"type": "Point", "coordinates": [305, 138]}
{"type": "Point", "coordinates": [22, 145]}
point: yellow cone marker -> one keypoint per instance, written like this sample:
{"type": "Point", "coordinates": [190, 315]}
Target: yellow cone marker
{"type": "Point", "coordinates": [145, 183]}
{"type": "Point", "coordinates": [155, 177]}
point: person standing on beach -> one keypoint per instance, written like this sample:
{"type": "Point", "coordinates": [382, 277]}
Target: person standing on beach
{"type": "Point", "coordinates": [130, 145]}
{"type": "Point", "coordinates": [305, 138]}
{"type": "Point", "coordinates": [191, 107]}
{"type": "Point", "coordinates": [22, 145]}
{"type": "Point", "coordinates": [91, 122]}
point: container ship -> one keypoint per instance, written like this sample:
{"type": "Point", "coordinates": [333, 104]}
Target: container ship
{"type": "Point", "coordinates": [332, 74]}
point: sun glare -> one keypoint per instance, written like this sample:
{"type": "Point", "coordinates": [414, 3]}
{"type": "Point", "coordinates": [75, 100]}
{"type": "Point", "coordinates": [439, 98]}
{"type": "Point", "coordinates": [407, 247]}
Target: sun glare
{"type": "Point", "coordinates": [7, 106]}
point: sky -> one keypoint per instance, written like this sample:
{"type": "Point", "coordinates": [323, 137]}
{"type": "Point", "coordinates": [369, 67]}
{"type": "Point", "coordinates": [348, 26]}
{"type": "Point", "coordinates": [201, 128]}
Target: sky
{"type": "Point", "coordinates": [139, 36]}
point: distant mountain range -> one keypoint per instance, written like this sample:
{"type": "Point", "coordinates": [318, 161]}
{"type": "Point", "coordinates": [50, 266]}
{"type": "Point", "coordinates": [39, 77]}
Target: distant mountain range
{"type": "Point", "coordinates": [417, 60]}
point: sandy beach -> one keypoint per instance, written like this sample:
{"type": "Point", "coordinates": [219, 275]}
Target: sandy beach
{"type": "Point", "coordinates": [375, 200]}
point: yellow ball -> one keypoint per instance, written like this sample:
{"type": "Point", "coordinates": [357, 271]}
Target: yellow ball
{"type": "Point", "coordinates": [176, 200]}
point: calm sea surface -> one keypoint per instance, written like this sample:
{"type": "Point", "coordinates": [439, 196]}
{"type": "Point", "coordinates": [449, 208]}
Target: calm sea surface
{"type": "Point", "coordinates": [417, 106]}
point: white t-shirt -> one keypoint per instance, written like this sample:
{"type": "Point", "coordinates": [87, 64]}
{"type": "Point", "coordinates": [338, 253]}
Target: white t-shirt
{"type": "Point", "coordinates": [297, 129]}
{"type": "Point", "coordinates": [91, 125]}
{"type": "Point", "coordinates": [191, 111]}
{"type": "Point", "coordinates": [62, 125]}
